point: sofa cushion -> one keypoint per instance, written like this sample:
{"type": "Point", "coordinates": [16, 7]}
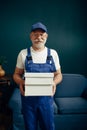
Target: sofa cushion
{"type": "Point", "coordinates": [72, 105]}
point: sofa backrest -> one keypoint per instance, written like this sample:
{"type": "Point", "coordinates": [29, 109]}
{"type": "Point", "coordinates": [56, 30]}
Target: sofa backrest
{"type": "Point", "coordinates": [72, 85]}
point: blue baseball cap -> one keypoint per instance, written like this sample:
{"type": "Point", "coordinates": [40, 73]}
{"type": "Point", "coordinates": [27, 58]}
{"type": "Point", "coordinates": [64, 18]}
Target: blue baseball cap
{"type": "Point", "coordinates": [38, 25]}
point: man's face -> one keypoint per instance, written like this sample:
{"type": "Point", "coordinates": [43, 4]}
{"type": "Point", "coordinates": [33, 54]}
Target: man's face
{"type": "Point", "coordinates": [38, 38]}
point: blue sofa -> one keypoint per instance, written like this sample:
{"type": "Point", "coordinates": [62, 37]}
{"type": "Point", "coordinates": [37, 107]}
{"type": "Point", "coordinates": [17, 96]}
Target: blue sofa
{"type": "Point", "coordinates": [70, 104]}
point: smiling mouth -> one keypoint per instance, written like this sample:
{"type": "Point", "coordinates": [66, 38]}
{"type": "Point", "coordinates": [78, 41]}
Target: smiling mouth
{"type": "Point", "coordinates": [38, 41]}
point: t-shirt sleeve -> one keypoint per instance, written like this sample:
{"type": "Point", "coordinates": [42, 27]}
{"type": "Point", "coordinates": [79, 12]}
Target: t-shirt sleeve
{"type": "Point", "coordinates": [20, 63]}
{"type": "Point", "coordinates": [56, 59]}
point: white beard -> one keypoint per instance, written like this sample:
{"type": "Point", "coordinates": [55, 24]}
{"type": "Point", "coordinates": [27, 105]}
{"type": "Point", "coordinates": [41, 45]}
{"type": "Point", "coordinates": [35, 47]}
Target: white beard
{"type": "Point", "coordinates": [40, 44]}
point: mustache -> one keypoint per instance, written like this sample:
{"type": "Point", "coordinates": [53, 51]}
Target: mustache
{"type": "Point", "coordinates": [36, 40]}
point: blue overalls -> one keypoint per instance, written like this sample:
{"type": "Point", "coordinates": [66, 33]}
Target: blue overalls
{"type": "Point", "coordinates": [38, 109]}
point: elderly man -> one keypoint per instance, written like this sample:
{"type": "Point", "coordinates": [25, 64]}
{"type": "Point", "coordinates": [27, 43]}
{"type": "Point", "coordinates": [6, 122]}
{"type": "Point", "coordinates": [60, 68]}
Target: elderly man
{"type": "Point", "coordinates": [38, 58]}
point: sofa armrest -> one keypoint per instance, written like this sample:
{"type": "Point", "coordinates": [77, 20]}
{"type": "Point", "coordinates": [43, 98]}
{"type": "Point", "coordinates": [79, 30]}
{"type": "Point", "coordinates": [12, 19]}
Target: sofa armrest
{"type": "Point", "coordinates": [55, 108]}
{"type": "Point", "coordinates": [84, 94]}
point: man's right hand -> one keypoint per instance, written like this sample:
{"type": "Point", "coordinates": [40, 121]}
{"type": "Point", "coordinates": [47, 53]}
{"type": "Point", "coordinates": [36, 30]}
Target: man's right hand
{"type": "Point", "coordinates": [17, 76]}
{"type": "Point", "coordinates": [22, 87]}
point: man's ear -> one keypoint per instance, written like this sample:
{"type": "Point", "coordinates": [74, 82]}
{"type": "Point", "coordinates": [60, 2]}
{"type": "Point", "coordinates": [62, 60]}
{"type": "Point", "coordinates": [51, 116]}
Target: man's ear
{"type": "Point", "coordinates": [47, 35]}
{"type": "Point", "coordinates": [30, 35]}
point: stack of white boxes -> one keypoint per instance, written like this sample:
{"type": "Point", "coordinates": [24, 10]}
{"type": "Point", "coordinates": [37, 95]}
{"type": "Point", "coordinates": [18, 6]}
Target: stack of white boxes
{"type": "Point", "coordinates": [38, 84]}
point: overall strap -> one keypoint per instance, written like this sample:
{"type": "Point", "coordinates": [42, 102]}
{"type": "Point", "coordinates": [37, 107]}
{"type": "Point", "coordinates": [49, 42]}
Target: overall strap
{"type": "Point", "coordinates": [28, 52]}
{"type": "Point", "coordinates": [50, 60]}
{"type": "Point", "coordinates": [29, 57]}
{"type": "Point", "coordinates": [49, 57]}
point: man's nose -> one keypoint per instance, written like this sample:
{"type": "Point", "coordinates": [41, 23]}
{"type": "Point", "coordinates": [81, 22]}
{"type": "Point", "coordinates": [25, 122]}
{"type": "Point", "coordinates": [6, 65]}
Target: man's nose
{"type": "Point", "coordinates": [38, 36]}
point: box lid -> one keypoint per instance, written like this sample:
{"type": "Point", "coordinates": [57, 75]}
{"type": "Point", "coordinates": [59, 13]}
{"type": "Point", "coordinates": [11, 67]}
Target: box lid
{"type": "Point", "coordinates": [27, 74]}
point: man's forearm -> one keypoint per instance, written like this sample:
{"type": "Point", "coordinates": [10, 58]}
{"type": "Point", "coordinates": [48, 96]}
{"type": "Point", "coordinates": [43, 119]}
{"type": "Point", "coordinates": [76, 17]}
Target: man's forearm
{"type": "Point", "coordinates": [57, 78]}
{"type": "Point", "coordinates": [18, 79]}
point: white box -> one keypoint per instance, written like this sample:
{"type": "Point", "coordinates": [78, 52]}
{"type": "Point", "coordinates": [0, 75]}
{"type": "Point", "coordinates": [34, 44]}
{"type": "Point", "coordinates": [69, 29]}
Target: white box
{"type": "Point", "coordinates": [38, 84]}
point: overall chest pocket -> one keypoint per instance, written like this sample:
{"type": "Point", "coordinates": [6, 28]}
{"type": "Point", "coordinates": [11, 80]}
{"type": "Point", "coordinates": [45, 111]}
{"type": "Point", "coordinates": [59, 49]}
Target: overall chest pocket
{"type": "Point", "coordinates": [39, 67]}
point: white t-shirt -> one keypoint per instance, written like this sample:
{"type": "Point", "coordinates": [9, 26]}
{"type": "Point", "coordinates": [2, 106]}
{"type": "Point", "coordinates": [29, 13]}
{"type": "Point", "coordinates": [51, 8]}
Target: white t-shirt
{"type": "Point", "coordinates": [37, 57]}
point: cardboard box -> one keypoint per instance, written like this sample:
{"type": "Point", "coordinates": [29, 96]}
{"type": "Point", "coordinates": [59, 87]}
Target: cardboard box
{"type": "Point", "coordinates": [38, 84]}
